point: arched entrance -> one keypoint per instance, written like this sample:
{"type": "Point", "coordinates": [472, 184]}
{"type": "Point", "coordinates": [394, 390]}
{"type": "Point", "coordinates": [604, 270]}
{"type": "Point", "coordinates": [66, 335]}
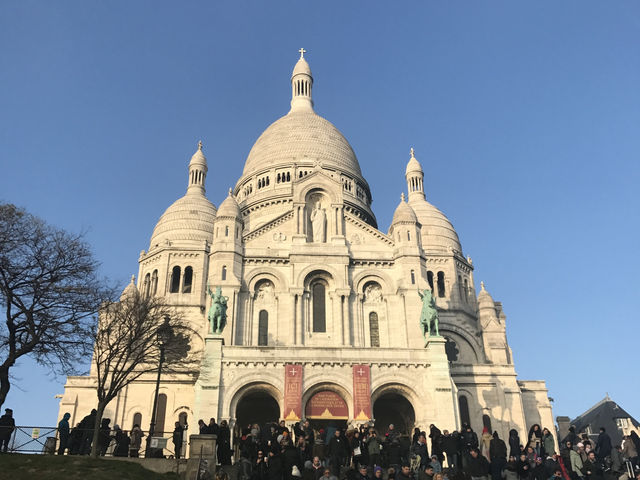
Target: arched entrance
{"type": "Point", "coordinates": [392, 407]}
{"type": "Point", "coordinates": [258, 407]}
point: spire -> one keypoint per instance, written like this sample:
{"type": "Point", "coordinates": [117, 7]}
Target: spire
{"type": "Point", "coordinates": [197, 171]}
{"type": "Point", "coordinates": [415, 178]}
{"type": "Point", "coordinates": [301, 84]}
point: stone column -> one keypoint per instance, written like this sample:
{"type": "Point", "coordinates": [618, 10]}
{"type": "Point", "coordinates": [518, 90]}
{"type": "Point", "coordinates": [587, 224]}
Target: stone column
{"type": "Point", "coordinates": [207, 388]}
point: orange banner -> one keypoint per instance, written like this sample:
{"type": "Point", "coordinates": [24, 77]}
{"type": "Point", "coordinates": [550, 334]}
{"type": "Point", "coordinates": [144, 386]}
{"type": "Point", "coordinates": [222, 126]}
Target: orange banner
{"type": "Point", "coordinates": [327, 405]}
{"type": "Point", "coordinates": [362, 392]}
{"type": "Point", "coordinates": [292, 392]}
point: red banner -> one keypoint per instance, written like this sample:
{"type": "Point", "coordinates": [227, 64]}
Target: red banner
{"type": "Point", "coordinates": [292, 392]}
{"type": "Point", "coordinates": [362, 392]}
{"type": "Point", "coordinates": [327, 405]}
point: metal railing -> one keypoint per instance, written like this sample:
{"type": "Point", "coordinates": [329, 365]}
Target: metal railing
{"type": "Point", "coordinates": [46, 440]}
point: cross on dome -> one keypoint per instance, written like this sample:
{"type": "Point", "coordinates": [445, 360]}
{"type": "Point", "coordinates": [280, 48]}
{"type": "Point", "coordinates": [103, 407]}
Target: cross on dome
{"type": "Point", "coordinates": [402, 196]}
{"type": "Point", "coordinates": [200, 145]}
{"type": "Point", "coordinates": [412, 153]}
{"type": "Point", "coordinates": [302, 51]}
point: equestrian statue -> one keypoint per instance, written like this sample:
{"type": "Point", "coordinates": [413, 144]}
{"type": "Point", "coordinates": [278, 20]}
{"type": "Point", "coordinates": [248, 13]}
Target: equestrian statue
{"type": "Point", "coordinates": [429, 314]}
{"type": "Point", "coordinates": [217, 315]}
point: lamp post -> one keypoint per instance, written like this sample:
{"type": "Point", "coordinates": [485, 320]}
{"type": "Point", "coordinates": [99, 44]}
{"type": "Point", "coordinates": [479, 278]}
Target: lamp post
{"type": "Point", "coordinates": [164, 334]}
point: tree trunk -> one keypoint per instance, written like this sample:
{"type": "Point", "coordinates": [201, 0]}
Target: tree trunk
{"type": "Point", "coordinates": [5, 385]}
{"type": "Point", "coordinates": [96, 430]}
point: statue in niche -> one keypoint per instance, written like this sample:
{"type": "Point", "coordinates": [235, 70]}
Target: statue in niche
{"type": "Point", "coordinates": [373, 293]}
{"type": "Point", "coordinates": [217, 315]}
{"type": "Point", "coordinates": [429, 314]}
{"type": "Point", "coordinates": [265, 291]}
{"type": "Point", "coordinates": [318, 223]}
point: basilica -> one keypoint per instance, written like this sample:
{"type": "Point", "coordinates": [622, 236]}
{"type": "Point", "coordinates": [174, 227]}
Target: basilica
{"type": "Point", "coordinates": [323, 304]}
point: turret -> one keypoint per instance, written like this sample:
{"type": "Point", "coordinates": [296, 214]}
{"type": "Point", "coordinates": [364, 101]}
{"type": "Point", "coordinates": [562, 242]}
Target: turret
{"type": "Point", "coordinates": [301, 85]}
{"type": "Point", "coordinates": [415, 178]}
{"type": "Point", "coordinates": [494, 333]}
{"type": "Point", "coordinates": [197, 172]}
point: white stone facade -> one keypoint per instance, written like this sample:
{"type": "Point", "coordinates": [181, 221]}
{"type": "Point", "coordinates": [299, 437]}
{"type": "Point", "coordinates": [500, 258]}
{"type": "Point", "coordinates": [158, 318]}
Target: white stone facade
{"type": "Point", "coordinates": [273, 258]}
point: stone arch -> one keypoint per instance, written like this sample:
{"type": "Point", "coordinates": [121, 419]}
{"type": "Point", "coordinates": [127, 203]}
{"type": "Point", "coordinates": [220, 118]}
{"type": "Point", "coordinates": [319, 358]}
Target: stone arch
{"type": "Point", "coordinates": [370, 274]}
{"type": "Point", "coordinates": [333, 277]}
{"type": "Point", "coordinates": [262, 273]}
{"type": "Point", "coordinates": [322, 183]}
{"type": "Point", "coordinates": [247, 388]}
{"type": "Point", "coordinates": [475, 409]}
{"type": "Point", "coordinates": [409, 416]}
{"type": "Point", "coordinates": [471, 343]}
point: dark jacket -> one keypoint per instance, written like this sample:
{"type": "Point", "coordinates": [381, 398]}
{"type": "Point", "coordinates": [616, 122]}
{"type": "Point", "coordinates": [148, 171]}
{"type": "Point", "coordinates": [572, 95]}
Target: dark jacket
{"type": "Point", "coordinates": [593, 470]}
{"type": "Point", "coordinates": [514, 443]}
{"type": "Point", "coordinates": [497, 448]}
{"type": "Point", "coordinates": [477, 467]}
{"type": "Point", "coordinates": [421, 450]}
{"type": "Point", "coordinates": [450, 444]}
{"type": "Point", "coordinates": [337, 447]}
{"type": "Point", "coordinates": [603, 445]}
{"type": "Point", "coordinates": [469, 440]}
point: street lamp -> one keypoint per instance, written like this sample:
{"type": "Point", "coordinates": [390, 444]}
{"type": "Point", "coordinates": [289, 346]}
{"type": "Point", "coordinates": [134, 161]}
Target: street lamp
{"type": "Point", "coordinates": [164, 334]}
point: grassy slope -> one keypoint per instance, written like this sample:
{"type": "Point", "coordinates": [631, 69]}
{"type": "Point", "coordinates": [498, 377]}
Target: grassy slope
{"type": "Point", "coordinates": [19, 467]}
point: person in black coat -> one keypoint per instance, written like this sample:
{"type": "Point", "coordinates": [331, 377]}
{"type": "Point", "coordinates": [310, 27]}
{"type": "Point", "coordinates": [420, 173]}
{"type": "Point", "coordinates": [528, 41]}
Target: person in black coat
{"type": "Point", "coordinates": [592, 468]}
{"type": "Point", "coordinates": [420, 448]}
{"type": "Point", "coordinates": [477, 465]}
{"type": "Point", "coordinates": [436, 442]}
{"type": "Point", "coordinates": [498, 456]}
{"type": "Point", "coordinates": [603, 445]}
{"type": "Point", "coordinates": [451, 446]}
{"type": "Point", "coordinates": [177, 439]}
{"type": "Point", "coordinates": [514, 443]}
{"type": "Point", "coordinates": [122, 442]}
{"type": "Point", "coordinates": [337, 451]}
{"type": "Point", "coordinates": [224, 443]}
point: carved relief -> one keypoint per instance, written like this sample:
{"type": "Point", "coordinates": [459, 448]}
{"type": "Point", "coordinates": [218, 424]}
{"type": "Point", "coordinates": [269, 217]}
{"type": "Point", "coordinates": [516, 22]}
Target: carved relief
{"type": "Point", "coordinates": [372, 293]}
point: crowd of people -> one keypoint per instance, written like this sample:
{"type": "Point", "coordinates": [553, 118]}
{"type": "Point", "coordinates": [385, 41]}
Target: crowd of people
{"type": "Point", "coordinates": [279, 453]}
{"type": "Point", "coordinates": [79, 440]}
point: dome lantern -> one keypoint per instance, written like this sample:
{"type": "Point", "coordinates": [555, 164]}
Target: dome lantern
{"type": "Point", "coordinates": [301, 84]}
{"type": "Point", "coordinates": [197, 172]}
{"type": "Point", "coordinates": [415, 178]}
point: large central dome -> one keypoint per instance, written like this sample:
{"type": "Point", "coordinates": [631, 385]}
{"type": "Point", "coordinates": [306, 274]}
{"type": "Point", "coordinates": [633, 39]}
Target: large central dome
{"type": "Point", "coordinates": [301, 136]}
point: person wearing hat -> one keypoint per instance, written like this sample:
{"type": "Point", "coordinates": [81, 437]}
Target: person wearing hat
{"type": "Point", "coordinates": [7, 426]}
{"type": "Point", "coordinates": [64, 430]}
{"type": "Point", "coordinates": [377, 473]}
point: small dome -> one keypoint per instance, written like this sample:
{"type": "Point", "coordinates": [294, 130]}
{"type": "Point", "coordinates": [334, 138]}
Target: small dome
{"type": "Point", "coordinates": [188, 218]}
{"type": "Point", "coordinates": [404, 213]}
{"type": "Point", "coordinates": [437, 231]}
{"type": "Point", "coordinates": [229, 207]}
{"type": "Point", "coordinates": [301, 67]}
{"type": "Point", "coordinates": [198, 158]}
{"type": "Point", "coordinates": [129, 290]}
{"type": "Point", "coordinates": [413, 166]}
{"type": "Point", "coordinates": [486, 305]}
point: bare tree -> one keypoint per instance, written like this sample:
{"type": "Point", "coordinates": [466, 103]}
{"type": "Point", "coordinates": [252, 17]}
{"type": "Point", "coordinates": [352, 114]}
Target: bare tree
{"type": "Point", "coordinates": [136, 336]}
{"type": "Point", "coordinates": [49, 292]}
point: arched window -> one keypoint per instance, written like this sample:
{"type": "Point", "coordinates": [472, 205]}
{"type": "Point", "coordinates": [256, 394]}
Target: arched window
{"type": "Point", "coordinates": [161, 413]}
{"type": "Point", "coordinates": [430, 280]}
{"type": "Point", "coordinates": [188, 280]}
{"type": "Point", "coordinates": [137, 419]}
{"type": "Point", "coordinates": [466, 290]}
{"type": "Point", "coordinates": [154, 282]}
{"type": "Point", "coordinates": [146, 288]}
{"type": "Point", "coordinates": [408, 235]}
{"type": "Point", "coordinates": [374, 330]}
{"type": "Point", "coordinates": [460, 287]}
{"type": "Point", "coordinates": [441, 291]}
{"type": "Point", "coordinates": [319, 307]}
{"type": "Point", "coordinates": [182, 418]}
{"type": "Point", "coordinates": [413, 277]}
{"type": "Point", "coordinates": [486, 422]}
{"type": "Point", "coordinates": [175, 280]}
{"type": "Point", "coordinates": [463, 404]}
{"type": "Point", "coordinates": [223, 275]}
{"type": "Point", "coordinates": [226, 231]}
{"type": "Point", "coordinates": [263, 328]}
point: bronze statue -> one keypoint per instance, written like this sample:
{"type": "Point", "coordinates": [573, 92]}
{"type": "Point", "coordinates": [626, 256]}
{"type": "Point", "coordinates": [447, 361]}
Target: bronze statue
{"type": "Point", "coordinates": [218, 312]}
{"type": "Point", "coordinates": [429, 314]}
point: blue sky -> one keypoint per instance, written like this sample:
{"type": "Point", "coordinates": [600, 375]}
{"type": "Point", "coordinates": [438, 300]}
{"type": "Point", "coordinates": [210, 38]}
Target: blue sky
{"type": "Point", "coordinates": [525, 116]}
